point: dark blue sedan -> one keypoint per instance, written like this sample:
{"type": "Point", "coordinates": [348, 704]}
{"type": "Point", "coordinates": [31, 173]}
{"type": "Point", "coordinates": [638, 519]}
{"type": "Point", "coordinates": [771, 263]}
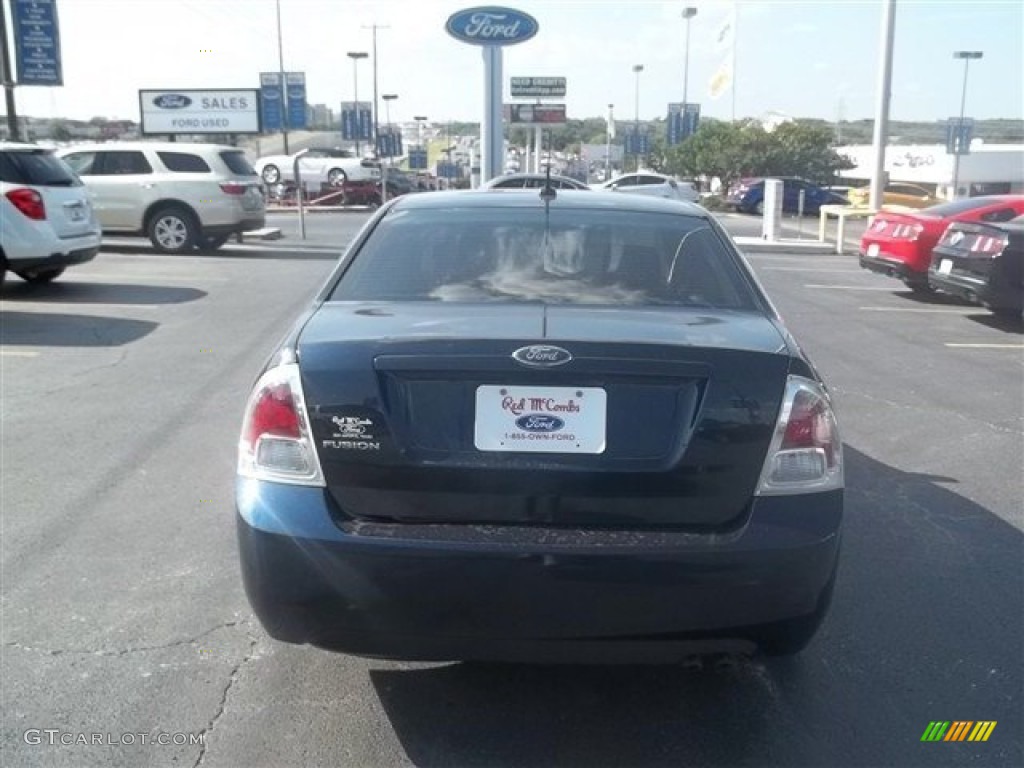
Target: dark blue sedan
{"type": "Point", "coordinates": [543, 426]}
{"type": "Point", "coordinates": [747, 196]}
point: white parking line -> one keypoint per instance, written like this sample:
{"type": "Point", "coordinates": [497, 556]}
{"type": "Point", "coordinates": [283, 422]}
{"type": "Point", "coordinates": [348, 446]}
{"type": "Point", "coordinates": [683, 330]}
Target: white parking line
{"type": "Point", "coordinates": [925, 310]}
{"type": "Point", "coordinates": [890, 289]}
{"type": "Point", "coordinates": [854, 271]}
{"type": "Point", "coordinates": [14, 352]}
{"type": "Point", "coordinates": [984, 346]}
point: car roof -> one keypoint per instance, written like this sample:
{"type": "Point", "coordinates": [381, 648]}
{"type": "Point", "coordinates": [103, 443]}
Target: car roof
{"type": "Point", "coordinates": [20, 146]}
{"type": "Point", "coordinates": [163, 146]}
{"type": "Point", "coordinates": [564, 198]}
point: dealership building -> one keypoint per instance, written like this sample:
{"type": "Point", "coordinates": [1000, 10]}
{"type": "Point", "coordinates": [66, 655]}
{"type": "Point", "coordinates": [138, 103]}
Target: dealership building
{"type": "Point", "coordinates": [989, 169]}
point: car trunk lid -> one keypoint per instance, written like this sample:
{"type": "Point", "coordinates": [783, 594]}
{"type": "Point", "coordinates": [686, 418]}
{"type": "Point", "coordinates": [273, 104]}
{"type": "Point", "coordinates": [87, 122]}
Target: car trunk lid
{"type": "Point", "coordinates": [661, 418]}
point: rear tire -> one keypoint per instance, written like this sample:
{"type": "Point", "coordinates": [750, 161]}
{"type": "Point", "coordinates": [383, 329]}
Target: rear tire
{"type": "Point", "coordinates": [336, 177]}
{"type": "Point", "coordinates": [173, 230]}
{"type": "Point", "coordinates": [42, 276]}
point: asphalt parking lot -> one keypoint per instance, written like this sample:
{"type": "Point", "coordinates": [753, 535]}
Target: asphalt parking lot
{"type": "Point", "coordinates": [123, 613]}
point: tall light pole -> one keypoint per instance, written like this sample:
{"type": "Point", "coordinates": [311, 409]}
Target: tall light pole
{"type": "Point", "coordinates": [356, 56]}
{"type": "Point", "coordinates": [420, 120]}
{"type": "Point", "coordinates": [376, 104]}
{"type": "Point", "coordinates": [637, 69]}
{"type": "Point", "coordinates": [966, 56]}
{"type": "Point", "coordinates": [284, 85]}
{"type": "Point", "coordinates": [688, 14]}
{"type": "Point", "coordinates": [609, 130]}
{"type": "Point", "coordinates": [884, 94]}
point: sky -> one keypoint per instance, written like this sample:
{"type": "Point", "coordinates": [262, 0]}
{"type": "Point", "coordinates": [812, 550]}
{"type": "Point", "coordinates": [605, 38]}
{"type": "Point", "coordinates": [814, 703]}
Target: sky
{"type": "Point", "coordinates": [802, 58]}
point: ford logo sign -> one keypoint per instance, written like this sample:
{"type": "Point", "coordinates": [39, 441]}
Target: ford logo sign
{"type": "Point", "coordinates": [539, 422]}
{"type": "Point", "coordinates": [541, 356]}
{"type": "Point", "coordinates": [490, 25]}
{"type": "Point", "coordinates": [172, 101]}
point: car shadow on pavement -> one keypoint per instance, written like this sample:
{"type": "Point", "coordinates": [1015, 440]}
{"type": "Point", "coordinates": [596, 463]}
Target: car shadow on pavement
{"type": "Point", "coordinates": [234, 252]}
{"type": "Point", "coordinates": [1000, 322]}
{"type": "Point", "coordinates": [70, 291]}
{"type": "Point", "coordinates": [933, 297]}
{"type": "Point", "coordinates": [926, 625]}
{"type": "Point", "coordinates": [46, 329]}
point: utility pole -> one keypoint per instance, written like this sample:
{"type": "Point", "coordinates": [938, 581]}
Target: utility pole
{"type": "Point", "coordinates": [376, 102]}
{"type": "Point", "coordinates": [7, 76]}
{"type": "Point", "coordinates": [284, 84]}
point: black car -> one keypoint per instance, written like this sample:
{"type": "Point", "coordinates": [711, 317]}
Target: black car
{"type": "Point", "coordinates": [983, 263]}
{"type": "Point", "coordinates": [539, 427]}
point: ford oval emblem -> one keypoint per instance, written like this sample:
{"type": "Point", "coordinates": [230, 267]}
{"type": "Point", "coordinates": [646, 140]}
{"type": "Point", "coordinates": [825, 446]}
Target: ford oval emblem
{"type": "Point", "coordinates": [491, 25]}
{"type": "Point", "coordinates": [539, 422]}
{"type": "Point", "coordinates": [172, 101]}
{"type": "Point", "coordinates": [542, 356]}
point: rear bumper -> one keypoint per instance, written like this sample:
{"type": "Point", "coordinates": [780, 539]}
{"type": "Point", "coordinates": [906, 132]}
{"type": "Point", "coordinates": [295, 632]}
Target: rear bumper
{"type": "Point", "coordinates": [59, 259]}
{"type": "Point", "coordinates": [518, 594]}
{"type": "Point", "coordinates": [885, 265]}
{"type": "Point", "coordinates": [977, 290]}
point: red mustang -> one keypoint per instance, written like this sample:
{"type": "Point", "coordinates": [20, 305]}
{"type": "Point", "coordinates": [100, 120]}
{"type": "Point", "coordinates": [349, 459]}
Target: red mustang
{"type": "Point", "coordinates": [899, 244]}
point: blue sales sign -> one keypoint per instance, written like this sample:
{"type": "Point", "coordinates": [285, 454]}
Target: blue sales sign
{"type": "Point", "coordinates": [418, 159]}
{"type": "Point", "coordinates": [37, 42]}
{"type": "Point", "coordinates": [637, 143]}
{"type": "Point", "coordinates": [296, 82]}
{"type": "Point", "coordinates": [356, 121]}
{"type": "Point", "coordinates": [682, 122]}
{"type": "Point", "coordinates": [959, 133]}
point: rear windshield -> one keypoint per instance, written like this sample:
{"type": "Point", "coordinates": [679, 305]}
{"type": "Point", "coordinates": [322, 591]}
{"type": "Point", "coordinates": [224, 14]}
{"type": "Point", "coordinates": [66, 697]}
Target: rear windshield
{"type": "Point", "coordinates": [37, 167]}
{"type": "Point", "coordinates": [573, 256]}
{"type": "Point", "coordinates": [959, 206]}
{"type": "Point", "coordinates": [237, 163]}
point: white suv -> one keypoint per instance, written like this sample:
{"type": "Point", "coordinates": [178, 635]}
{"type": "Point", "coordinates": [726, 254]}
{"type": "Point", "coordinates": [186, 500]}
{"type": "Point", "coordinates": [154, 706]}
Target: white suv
{"type": "Point", "coordinates": [181, 196]}
{"type": "Point", "coordinates": [653, 184]}
{"type": "Point", "coordinates": [46, 220]}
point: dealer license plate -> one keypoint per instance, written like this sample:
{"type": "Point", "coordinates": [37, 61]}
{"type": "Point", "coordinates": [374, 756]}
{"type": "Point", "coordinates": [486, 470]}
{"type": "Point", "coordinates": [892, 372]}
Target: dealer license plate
{"type": "Point", "coordinates": [873, 250]}
{"type": "Point", "coordinates": [945, 266]}
{"type": "Point", "coordinates": [540, 419]}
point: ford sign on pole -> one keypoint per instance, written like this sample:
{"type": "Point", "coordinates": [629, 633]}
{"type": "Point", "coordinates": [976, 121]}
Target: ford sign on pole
{"type": "Point", "coordinates": [492, 27]}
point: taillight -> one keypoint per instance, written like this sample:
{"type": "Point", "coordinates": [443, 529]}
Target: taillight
{"type": "Point", "coordinates": [231, 188]}
{"type": "Point", "coordinates": [277, 442]}
{"type": "Point", "coordinates": [907, 231]}
{"type": "Point", "coordinates": [878, 225]}
{"type": "Point", "coordinates": [991, 246]}
{"type": "Point", "coordinates": [805, 455]}
{"type": "Point", "coordinates": [29, 202]}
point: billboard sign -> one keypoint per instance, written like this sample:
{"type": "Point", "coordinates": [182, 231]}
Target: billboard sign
{"type": "Point", "coordinates": [538, 87]}
{"type": "Point", "coordinates": [681, 122]}
{"type": "Point", "coordinates": [959, 132]}
{"type": "Point", "coordinates": [296, 82]}
{"type": "Point", "coordinates": [221, 110]}
{"type": "Point", "coordinates": [37, 42]}
{"type": "Point", "coordinates": [537, 114]}
{"type": "Point", "coordinates": [356, 121]}
{"type": "Point", "coordinates": [271, 104]}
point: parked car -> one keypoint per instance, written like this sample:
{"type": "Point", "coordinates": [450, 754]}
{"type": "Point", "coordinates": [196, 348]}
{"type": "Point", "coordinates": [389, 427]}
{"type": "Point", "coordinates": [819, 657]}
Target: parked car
{"type": "Point", "coordinates": [747, 196]}
{"type": "Point", "coordinates": [179, 195]}
{"type": "Point", "coordinates": [900, 243]}
{"type": "Point", "coordinates": [319, 166]}
{"type": "Point", "coordinates": [652, 184]}
{"type": "Point", "coordinates": [511, 427]}
{"type": "Point", "coordinates": [983, 263]}
{"type": "Point", "coordinates": [533, 181]}
{"type": "Point", "coordinates": [47, 222]}
{"type": "Point", "coordinates": [898, 194]}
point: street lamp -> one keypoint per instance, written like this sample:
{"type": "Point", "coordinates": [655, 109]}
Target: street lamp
{"type": "Point", "coordinates": [966, 56]}
{"type": "Point", "coordinates": [356, 56]}
{"type": "Point", "coordinates": [688, 14]}
{"type": "Point", "coordinates": [609, 130]}
{"type": "Point", "coordinates": [637, 69]}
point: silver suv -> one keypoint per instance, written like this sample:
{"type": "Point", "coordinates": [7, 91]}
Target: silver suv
{"type": "Point", "coordinates": [181, 196]}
